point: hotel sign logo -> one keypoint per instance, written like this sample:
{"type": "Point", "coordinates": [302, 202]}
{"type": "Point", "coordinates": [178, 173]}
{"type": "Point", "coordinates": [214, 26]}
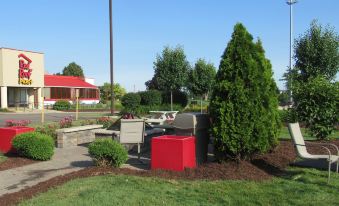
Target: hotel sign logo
{"type": "Point", "coordinates": [24, 70]}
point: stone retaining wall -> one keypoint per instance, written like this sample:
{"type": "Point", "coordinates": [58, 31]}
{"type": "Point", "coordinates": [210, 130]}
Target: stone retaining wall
{"type": "Point", "coordinates": [74, 136]}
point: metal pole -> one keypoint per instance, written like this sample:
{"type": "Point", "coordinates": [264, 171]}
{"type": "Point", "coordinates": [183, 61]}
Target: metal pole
{"type": "Point", "coordinates": [77, 109]}
{"type": "Point", "coordinates": [111, 55]}
{"type": "Point", "coordinates": [43, 111]}
{"type": "Point", "coordinates": [290, 3]}
{"type": "Point", "coordinates": [43, 106]}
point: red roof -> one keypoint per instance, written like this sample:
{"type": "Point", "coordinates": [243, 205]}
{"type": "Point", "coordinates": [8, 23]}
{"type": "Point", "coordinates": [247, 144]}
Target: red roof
{"type": "Point", "coordinates": [66, 81]}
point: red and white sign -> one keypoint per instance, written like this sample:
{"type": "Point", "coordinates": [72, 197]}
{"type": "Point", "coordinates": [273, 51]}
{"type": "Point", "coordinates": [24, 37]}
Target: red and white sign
{"type": "Point", "coordinates": [25, 71]}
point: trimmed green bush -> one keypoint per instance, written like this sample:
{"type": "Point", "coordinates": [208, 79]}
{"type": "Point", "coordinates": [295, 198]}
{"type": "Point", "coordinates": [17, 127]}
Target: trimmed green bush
{"type": "Point", "coordinates": [62, 105]}
{"type": "Point", "coordinates": [179, 97]}
{"type": "Point", "coordinates": [34, 145]}
{"type": "Point", "coordinates": [108, 152]}
{"type": "Point", "coordinates": [49, 130]}
{"type": "Point", "coordinates": [130, 102]}
{"type": "Point", "coordinates": [244, 104]}
{"type": "Point", "coordinates": [150, 97]}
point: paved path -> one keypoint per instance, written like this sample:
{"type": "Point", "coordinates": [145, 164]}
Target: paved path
{"type": "Point", "coordinates": [65, 160]}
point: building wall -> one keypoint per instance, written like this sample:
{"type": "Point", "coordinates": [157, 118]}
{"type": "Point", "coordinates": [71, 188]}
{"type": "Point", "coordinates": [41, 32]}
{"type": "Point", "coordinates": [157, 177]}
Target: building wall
{"type": "Point", "coordinates": [89, 80]}
{"type": "Point", "coordinates": [9, 68]}
{"type": "Point", "coordinates": [1, 77]}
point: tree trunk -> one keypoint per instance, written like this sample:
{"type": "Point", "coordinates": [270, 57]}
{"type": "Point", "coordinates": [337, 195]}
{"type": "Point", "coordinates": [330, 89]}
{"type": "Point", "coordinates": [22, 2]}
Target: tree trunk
{"type": "Point", "coordinates": [171, 101]}
{"type": "Point", "coordinates": [201, 104]}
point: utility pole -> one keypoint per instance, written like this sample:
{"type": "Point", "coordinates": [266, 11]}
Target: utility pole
{"type": "Point", "coordinates": [111, 55]}
{"type": "Point", "coordinates": [290, 3]}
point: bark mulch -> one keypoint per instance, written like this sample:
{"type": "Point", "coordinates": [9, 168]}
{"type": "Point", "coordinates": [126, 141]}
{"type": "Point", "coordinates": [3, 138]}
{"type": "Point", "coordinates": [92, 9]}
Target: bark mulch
{"type": "Point", "coordinates": [15, 161]}
{"type": "Point", "coordinates": [261, 167]}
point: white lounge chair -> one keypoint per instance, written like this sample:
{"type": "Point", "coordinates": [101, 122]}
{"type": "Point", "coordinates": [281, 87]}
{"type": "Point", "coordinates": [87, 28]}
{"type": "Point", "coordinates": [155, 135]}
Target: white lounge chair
{"type": "Point", "coordinates": [132, 131]}
{"type": "Point", "coordinates": [299, 143]}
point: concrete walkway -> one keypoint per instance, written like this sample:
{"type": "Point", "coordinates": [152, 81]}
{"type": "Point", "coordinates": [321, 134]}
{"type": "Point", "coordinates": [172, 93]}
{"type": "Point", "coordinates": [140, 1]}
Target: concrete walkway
{"type": "Point", "coordinates": [65, 160]}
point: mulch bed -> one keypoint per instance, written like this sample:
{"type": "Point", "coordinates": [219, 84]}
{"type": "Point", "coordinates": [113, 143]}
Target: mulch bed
{"type": "Point", "coordinates": [13, 161]}
{"type": "Point", "coordinates": [261, 167]}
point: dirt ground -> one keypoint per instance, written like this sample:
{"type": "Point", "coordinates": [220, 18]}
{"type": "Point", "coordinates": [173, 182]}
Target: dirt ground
{"type": "Point", "coordinates": [260, 168]}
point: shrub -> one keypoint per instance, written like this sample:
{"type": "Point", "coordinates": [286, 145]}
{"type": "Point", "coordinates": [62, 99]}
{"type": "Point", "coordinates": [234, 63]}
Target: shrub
{"type": "Point", "coordinates": [34, 145]}
{"type": "Point", "coordinates": [316, 104]}
{"type": "Point", "coordinates": [105, 121]}
{"type": "Point", "coordinates": [66, 122]}
{"type": "Point", "coordinates": [179, 97]}
{"type": "Point", "coordinates": [107, 152]}
{"type": "Point", "coordinates": [14, 123]}
{"type": "Point", "coordinates": [287, 116]}
{"type": "Point", "coordinates": [87, 122]}
{"type": "Point", "coordinates": [62, 105]}
{"type": "Point", "coordinates": [150, 97]}
{"type": "Point", "coordinates": [244, 104]}
{"type": "Point", "coordinates": [131, 101]}
{"type": "Point", "coordinates": [49, 130]}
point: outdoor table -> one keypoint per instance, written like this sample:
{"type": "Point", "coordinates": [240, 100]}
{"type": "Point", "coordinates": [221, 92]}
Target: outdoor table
{"type": "Point", "coordinates": [169, 129]}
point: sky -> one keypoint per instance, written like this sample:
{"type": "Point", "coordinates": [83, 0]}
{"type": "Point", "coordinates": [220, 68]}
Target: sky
{"type": "Point", "coordinates": [78, 30]}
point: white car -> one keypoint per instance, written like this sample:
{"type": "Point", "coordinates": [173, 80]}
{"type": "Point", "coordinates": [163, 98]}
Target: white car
{"type": "Point", "coordinates": [161, 117]}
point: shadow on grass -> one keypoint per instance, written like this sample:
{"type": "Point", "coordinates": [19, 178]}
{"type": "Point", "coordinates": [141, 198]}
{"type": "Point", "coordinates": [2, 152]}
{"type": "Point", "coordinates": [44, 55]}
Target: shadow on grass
{"type": "Point", "coordinates": [299, 174]}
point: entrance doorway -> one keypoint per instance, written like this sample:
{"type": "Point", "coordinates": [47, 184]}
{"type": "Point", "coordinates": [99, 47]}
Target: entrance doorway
{"type": "Point", "coordinates": [17, 97]}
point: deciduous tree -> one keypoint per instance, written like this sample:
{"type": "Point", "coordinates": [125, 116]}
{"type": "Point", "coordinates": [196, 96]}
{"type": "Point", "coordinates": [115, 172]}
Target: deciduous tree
{"type": "Point", "coordinates": [73, 69]}
{"type": "Point", "coordinates": [171, 70]}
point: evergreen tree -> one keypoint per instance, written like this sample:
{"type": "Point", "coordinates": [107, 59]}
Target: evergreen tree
{"type": "Point", "coordinates": [244, 105]}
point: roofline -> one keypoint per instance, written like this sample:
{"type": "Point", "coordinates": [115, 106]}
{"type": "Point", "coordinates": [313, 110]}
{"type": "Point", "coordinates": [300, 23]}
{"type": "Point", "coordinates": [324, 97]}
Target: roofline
{"type": "Point", "coordinates": [21, 50]}
{"type": "Point", "coordinates": [54, 75]}
{"type": "Point", "coordinates": [71, 87]}
{"type": "Point", "coordinates": [71, 77]}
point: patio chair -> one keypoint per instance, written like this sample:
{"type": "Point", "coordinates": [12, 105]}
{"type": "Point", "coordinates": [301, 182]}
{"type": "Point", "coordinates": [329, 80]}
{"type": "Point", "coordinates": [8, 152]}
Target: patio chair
{"type": "Point", "coordinates": [300, 146]}
{"type": "Point", "coordinates": [132, 131]}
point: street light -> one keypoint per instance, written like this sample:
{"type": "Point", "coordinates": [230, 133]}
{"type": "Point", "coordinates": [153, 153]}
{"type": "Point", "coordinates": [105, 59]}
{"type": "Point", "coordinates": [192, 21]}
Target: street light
{"type": "Point", "coordinates": [111, 55]}
{"type": "Point", "coordinates": [290, 3]}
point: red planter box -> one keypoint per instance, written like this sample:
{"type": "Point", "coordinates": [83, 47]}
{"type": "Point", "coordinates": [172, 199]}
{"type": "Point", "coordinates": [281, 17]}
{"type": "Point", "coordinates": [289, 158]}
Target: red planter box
{"type": "Point", "coordinates": [173, 152]}
{"type": "Point", "coordinates": [8, 133]}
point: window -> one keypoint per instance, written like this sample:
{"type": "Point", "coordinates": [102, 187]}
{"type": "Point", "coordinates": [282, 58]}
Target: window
{"type": "Point", "coordinates": [88, 93]}
{"type": "Point", "coordinates": [60, 93]}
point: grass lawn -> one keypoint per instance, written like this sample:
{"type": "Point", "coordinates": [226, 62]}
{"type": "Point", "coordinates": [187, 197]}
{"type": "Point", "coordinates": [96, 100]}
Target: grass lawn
{"type": "Point", "coordinates": [2, 157]}
{"type": "Point", "coordinates": [300, 187]}
{"type": "Point", "coordinates": [284, 134]}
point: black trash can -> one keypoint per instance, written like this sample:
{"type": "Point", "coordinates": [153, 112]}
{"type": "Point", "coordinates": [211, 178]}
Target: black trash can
{"type": "Point", "coordinates": [198, 125]}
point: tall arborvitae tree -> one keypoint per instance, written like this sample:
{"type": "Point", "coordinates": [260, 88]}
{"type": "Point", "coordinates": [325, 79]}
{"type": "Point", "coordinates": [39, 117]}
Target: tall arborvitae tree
{"type": "Point", "coordinates": [244, 101]}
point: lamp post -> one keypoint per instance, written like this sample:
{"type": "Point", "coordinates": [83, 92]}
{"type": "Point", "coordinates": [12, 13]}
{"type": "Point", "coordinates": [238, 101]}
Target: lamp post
{"type": "Point", "coordinates": [111, 56]}
{"type": "Point", "coordinates": [290, 3]}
